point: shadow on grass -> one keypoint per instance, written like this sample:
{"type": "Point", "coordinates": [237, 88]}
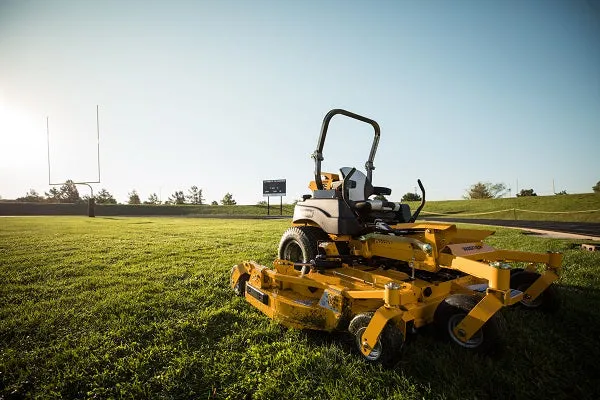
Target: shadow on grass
{"type": "Point", "coordinates": [543, 355]}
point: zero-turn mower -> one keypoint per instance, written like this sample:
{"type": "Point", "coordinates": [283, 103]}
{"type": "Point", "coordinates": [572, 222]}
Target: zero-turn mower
{"type": "Point", "coordinates": [353, 263]}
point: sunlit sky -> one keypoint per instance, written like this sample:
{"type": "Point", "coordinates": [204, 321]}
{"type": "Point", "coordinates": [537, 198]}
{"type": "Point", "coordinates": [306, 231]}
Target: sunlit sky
{"type": "Point", "coordinates": [224, 94]}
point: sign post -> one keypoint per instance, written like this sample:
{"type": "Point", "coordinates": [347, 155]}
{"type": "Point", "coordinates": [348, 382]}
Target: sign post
{"type": "Point", "coordinates": [274, 187]}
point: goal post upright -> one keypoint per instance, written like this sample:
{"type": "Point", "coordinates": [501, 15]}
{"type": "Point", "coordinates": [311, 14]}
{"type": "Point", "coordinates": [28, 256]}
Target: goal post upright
{"type": "Point", "coordinates": [91, 200]}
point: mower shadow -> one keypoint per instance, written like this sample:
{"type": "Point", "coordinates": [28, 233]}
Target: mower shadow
{"type": "Point", "coordinates": [542, 356]}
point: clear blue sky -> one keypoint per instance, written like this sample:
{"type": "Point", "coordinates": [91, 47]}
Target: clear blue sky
{"type": "Point", "coordinates": [224, 94]}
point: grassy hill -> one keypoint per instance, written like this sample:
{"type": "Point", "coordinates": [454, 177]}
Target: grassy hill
{"type": "Point", "coordinates": [538, 208]}
{"type": "Point", "coordinates": [541, 208]}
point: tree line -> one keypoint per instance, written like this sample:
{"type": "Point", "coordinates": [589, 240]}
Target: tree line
{"type": "Point", "coordinates": [487, 190]}
{"type": "Point", "coordinates": [68, 193]}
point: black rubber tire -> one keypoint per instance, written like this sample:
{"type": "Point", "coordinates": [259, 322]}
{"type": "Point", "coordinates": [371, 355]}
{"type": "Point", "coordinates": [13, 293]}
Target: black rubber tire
{"type": "Point", "coordinates": [387, 352]}
{"type": "Point", "coordinates": [548, 301]}
{"type": "Point", "coordinates": [453, 309]}
{"type": "Point", "coordinates": [240, 286]}
{"type": "Point", "coordinates": [299, 243]}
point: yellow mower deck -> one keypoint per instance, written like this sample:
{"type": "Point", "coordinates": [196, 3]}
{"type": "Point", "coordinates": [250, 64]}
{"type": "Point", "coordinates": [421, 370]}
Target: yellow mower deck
{"type": "Point", "coordinates": [327, 299]}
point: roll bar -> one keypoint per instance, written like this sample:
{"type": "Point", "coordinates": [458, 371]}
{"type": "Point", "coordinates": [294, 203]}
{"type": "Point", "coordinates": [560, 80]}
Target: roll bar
{"type": "Point", "coordinates": [318, 154]}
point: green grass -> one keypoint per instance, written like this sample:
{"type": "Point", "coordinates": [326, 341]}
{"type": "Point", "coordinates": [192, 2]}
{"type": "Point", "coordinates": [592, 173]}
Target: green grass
{"type": "Point", "coordinates": [538, 208]}
{"type": "Point", "coordinates": [141, 308]}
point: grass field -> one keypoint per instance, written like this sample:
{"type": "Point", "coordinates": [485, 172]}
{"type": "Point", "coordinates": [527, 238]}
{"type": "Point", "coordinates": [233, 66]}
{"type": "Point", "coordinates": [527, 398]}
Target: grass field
{"type": "Point", "coordinates": [539, 208]}
{"type": "Point", "coordinates": [141, 308]}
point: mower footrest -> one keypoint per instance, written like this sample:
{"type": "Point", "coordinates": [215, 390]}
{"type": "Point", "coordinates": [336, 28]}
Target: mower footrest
{"type": "Point", "coordinates": [515, 296]}
{"type": "Point", "coordinates": [480, 287]}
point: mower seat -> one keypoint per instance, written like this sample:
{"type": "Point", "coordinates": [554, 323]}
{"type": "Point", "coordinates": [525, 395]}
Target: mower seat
{"type": "Point", "coordinates": [361, 189]}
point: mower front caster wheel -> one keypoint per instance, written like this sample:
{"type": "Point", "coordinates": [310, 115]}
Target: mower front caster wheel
{"type": "Point", "coordinates": [548, 301]}
{"type": "Point", "coordinates": [451, 311]}
{"type": "Point", "coordinates": [388, 347]}
{"type": "Point", "coordinates": [239, 286]}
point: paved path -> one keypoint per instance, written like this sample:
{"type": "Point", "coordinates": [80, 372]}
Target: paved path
{"type": "Point", "coordinates": [578, 228]}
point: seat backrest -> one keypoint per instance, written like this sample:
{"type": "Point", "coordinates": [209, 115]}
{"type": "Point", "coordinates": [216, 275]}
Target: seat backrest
{"type": "Point", "coordinates": [362, 188]}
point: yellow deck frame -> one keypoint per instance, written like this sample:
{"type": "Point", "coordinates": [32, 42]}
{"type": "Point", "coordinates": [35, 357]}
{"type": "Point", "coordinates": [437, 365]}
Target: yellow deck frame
{"type": "Point", "coordinates": [327, 299]}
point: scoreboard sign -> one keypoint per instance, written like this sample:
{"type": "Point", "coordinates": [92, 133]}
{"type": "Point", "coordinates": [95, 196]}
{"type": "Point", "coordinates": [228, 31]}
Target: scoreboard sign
{"type": "Point", "coordinates": [274, 187]}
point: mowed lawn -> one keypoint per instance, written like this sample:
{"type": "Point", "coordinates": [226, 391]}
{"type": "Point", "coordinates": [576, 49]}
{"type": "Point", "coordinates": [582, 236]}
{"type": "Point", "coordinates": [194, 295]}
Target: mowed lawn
{"type": "Point", "coordinates": [141, 308]}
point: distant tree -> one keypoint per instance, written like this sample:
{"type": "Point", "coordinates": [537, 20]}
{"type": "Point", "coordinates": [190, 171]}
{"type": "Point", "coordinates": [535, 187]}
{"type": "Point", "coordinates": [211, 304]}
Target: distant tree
{"type": "Point", "coordinates": [152, 199]}
{"type": "Point", "coordinates": [104, 197]}
{"type": "Point", "coordinates": [596, 187]}
{"type": "Point", "coordinates": [195, 195]}
{"type": "Point", "coordinates": [526, 193]}
{"type": "Point", "coordinates": [262, 203]}
{"type": "Point", "coordinates": [53, 195]}
{"type": "Point", "coordinates": [561, 193]}
{"type": "Point", "coordinates": [31, 197]}
{"type": "Point", "coordinates": [214, 203]}
{"type": "Point", "coordinates": [69, 192]}
{"type": "Point", "coordinates": [380, 197]}
{"type": "Point", "coordinates": [228, 200]}
{"type": "Point", "coordinates": [485, 190]}
{"type": "Point", "coordinates": [411, 197]}
{"type": "Point", "coordinates": [134, 197]}
{"type": "Point", "coordinates": [177, 198]}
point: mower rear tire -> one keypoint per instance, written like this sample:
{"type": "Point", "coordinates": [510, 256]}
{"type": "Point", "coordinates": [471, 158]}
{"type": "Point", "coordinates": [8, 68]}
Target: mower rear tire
{"type": "Point", "coordinates": [548, 301]}
{"type": "Point", "coordinates": [387, 351]}
{"type": "Point", "coordinates": [451, 311]}
{"type": "Point", "coordinates": [300, 243]}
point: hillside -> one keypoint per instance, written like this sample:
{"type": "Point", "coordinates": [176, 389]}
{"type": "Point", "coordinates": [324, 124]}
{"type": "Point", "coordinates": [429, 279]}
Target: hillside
{"type": "Point", "coordinates": [572, 207]}
{"type": "Point", "coordinates": [568, 208]}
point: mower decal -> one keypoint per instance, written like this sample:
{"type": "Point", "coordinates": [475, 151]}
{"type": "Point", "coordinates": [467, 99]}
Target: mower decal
{"type": "Point", "coordinates": [467, 249]}
{"type": "Point", "coordinates": [330, 302]}
{"type": "Point", "coordinates": [304, 208]}
{"type": "Point", "coordinates": [308, 213]}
